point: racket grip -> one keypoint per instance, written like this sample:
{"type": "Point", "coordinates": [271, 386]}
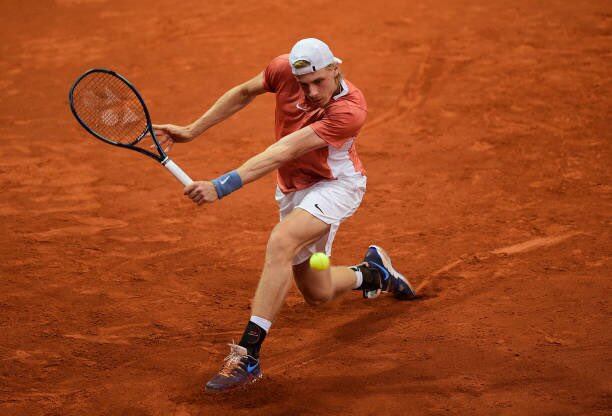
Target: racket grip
{"type": "Point", "coordinates": [177, 172]}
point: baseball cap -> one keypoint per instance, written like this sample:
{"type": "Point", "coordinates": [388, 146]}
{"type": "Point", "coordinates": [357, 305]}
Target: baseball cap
{"type": "Point", "coordinates": [314, 51]}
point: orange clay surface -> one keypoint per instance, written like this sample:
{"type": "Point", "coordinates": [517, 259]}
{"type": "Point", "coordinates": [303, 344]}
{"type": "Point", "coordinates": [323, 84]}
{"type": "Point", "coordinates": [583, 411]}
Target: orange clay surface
{"type": "Point", "coordinates": [488, 149]}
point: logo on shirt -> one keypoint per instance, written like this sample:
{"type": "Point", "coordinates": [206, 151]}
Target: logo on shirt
{"type": "Point", "coordinates": [300, 107]}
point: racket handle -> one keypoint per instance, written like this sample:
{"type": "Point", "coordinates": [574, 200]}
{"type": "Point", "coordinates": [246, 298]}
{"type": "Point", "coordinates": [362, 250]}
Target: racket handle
{"type": "Point", "coordinates": [177, 172]}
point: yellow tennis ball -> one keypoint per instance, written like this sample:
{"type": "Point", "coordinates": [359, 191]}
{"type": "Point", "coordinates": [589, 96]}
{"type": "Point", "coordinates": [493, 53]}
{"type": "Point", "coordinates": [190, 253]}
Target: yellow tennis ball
{"type": "Point", "coordinates": [319, 261]}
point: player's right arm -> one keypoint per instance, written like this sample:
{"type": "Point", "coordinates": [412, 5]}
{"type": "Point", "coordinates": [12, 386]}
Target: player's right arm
{"type": "Point", "coordinates": [229, 103]}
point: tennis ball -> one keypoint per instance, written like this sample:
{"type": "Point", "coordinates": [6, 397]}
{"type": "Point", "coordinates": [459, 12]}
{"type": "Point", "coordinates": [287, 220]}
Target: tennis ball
{"type": "Point", "coordinates": [319, 261]}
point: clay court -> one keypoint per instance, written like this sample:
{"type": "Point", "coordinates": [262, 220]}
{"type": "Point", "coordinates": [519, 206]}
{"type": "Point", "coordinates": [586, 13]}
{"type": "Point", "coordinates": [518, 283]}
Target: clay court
{"type": "Point", "coordinates": [488, 150]}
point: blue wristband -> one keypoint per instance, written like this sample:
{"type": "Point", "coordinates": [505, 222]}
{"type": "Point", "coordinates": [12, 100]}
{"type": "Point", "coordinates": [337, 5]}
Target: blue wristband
{"type": "Point", "coordinates": [227, 183]}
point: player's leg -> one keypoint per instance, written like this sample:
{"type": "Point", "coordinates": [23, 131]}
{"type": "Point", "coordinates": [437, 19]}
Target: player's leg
{"type": "Point", "coordinates": [296, 230]}
{"type": "Point", "coordinates": [372, 276]}
{"type": "Point", "coordinates": [320, 286]}
{"type": "Point", "coordinates": [333, 202]}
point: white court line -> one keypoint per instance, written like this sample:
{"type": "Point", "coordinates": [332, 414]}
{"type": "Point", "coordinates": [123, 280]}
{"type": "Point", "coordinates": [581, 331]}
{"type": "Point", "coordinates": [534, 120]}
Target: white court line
{"type": "Point", "coordinates": [507, 250]}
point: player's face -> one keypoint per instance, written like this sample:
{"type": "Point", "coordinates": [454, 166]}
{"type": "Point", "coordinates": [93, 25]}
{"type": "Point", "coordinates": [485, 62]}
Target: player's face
{"type": "Point", "coordinates": [319, 86]}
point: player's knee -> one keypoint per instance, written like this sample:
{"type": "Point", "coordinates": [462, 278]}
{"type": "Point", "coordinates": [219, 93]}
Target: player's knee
{"type": "Point", "coordinates": [317, 298]}
{"type": "Point", "coordinates": [316, 301]}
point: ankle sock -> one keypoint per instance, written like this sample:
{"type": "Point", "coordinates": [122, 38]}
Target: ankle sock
{"type": "Point", "coordinates": [358, 278]}
{"type": "Point", "coordinates": [370, 277]}
{"type": "Point", "coordinates": [254, 335]}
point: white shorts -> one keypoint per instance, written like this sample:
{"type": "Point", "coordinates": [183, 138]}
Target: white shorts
{"type": "Point", "coordinates": [331, 201]}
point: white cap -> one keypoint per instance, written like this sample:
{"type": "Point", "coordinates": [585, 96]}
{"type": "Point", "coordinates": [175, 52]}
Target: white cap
{"type": "Point", "coordinates": [314, 51]}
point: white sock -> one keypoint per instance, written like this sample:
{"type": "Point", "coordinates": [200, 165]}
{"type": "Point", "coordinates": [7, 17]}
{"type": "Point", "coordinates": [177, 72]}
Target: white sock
{"type": "Point", "coordinates": [358, 279]}
{"type": "Point", "coordinates": [261, 322]}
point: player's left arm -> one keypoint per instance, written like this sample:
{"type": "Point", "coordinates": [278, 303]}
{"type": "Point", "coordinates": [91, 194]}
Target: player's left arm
{"type": "Point", "coordinates": [288, 148]}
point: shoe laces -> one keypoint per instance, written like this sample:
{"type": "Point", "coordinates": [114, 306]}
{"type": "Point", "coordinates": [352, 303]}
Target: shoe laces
{"type": "Point", "coordinates": [232, 361]}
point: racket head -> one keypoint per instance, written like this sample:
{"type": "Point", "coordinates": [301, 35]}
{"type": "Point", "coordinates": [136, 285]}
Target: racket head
{"type": "Point", "coordinates": [111, 109]}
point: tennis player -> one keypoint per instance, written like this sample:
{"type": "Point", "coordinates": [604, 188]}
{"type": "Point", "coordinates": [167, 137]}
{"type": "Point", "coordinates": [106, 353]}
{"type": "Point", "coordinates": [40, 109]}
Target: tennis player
{"type": "Point", "coordinates": [321, 182]}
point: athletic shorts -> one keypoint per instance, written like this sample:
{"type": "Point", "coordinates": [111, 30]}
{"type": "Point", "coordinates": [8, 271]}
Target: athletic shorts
{"type": "Point", "coordinates": [331, 201]}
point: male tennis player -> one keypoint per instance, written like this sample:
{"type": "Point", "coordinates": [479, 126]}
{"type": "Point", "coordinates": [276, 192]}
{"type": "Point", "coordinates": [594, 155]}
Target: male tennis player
{"type": "Point", "coordinates": [321, 182]}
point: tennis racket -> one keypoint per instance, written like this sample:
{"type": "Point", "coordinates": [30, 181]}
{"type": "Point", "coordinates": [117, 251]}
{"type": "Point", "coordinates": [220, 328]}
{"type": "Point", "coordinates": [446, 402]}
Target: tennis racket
{"type": "Point", "coordinates": [110, 108]}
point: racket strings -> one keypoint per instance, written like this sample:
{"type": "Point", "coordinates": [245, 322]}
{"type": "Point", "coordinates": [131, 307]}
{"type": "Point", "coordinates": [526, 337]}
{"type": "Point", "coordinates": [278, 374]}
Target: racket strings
{"type": "Point", "coordinates": [110, 108]}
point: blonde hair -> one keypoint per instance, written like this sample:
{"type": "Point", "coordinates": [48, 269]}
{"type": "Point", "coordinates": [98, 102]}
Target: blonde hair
{"type": "Point", "coordinates": [301, 63]}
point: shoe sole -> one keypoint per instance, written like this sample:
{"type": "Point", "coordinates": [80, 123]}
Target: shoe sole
{"type": "Point", "coordinates": [234, 388]}
{"type": "Point", "coordinates": [387, 263]}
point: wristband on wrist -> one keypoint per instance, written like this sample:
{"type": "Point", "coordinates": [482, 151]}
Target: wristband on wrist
{"type": "Point", "coordinates": [227, 183]}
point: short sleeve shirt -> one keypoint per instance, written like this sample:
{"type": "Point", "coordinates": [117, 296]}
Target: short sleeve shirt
{"type": "Point", "coordinates": [338, 123]}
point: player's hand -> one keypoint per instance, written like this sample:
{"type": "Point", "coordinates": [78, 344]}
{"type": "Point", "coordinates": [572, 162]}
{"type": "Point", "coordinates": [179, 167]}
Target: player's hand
{"type": "Point", "coordinates": [168, 134]}
{"type": "Point", "coordinates": [201, 192]}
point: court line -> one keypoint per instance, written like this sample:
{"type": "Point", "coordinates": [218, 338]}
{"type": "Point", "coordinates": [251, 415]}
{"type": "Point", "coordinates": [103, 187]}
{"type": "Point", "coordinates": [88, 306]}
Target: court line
{"type": "Point", "coordinates": [518, 248]}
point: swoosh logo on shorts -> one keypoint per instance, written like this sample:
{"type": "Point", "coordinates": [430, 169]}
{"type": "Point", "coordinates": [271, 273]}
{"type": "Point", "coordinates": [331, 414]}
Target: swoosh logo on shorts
{"type": "Point", "coordinates": [317, 207]}
{"type": "Point", "coordinates": [250, 367]}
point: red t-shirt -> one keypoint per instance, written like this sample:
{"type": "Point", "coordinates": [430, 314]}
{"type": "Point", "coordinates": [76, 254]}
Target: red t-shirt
{"type": "Point", "coordinates": [338, 124]}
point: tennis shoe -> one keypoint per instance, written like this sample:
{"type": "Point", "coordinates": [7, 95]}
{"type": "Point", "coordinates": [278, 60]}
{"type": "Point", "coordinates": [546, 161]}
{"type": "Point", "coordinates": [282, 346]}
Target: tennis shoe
{"type": "Point", "coordinates": [239, 369]}
{"type": "Point", "coordinates": [391, 280]}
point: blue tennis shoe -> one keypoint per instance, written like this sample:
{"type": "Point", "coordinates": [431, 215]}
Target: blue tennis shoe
{"type": "Point", "coordinates": [391, 280]}
{"type": "Point", "coordinates": [239, 369]}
